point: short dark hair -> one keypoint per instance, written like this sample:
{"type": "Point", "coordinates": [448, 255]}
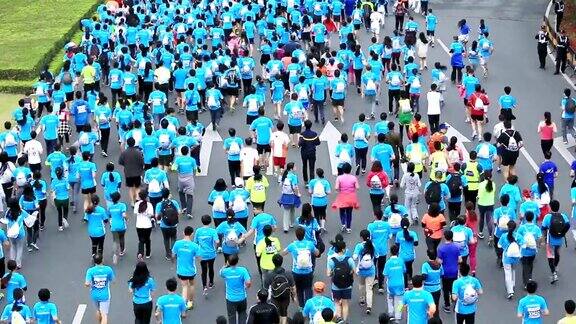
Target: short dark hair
{"type": "Point", "coordinates": [569, 306]}
{"type": "Point", "coordinates": [171, 284]}
{"type": "Point", "coordinates": [531, 286]}
{"type": "Point", "coordinates": [44, 294]}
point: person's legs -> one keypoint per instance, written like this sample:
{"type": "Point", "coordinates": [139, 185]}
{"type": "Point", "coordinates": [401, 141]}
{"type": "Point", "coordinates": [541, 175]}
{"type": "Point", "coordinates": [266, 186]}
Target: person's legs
{"type": "Point", "coordinates": [231, 312]}
{"type": "Point", "coordinates": [447, 291]}
{"type": "Point", "coordinates": [381, 261]}
{"type": "Point", "coordinates": [368, 283]}
{"type": "Point", "coordinates": [508, 278]}
{"type": "Point", "coordinates": [348, 212]}
{"type": "Point", "coordinates": [305, 168]}
{"type": "Point", "coordinates": [286, 213]}
{"type": "Point", "coordinates": [241, 309]}
{"type": "Point", "coordinates": [299, 283]}
{"type": "Point", "coordinates": [167, 247]}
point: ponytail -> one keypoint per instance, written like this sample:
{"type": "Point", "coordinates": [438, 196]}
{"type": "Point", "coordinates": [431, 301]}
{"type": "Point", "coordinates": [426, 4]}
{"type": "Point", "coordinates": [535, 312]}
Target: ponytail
{"type": "Point", "coordinates": [368, 247]}
{"type": "Point", "coordinates": [407, 235]}
{"type": "Point", "coordinates": [111, 176]}
{"type": "Point", "coordinates": [289, 167]}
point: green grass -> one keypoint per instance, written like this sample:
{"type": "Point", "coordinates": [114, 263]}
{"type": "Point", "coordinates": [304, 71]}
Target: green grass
{"type": "Point", "coordinates": [8, 102]}
{"type": "Point", "coordinates": [28, 29]}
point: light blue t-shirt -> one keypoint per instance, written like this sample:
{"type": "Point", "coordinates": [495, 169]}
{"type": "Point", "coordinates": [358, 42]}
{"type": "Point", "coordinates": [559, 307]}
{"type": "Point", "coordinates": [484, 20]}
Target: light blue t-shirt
{"type": "Point", "coordinates": [206, 238]}
{"type": "Point", "coordinates": [263, 128]}
{"type": "Point", "coordinates": [394, 270]}
{"type": "Point", "coordinates": [172, 307]}
{"type": "Point", "coordinates": [99, 277]}
{"type": "Point", "coordinates": [380, 234]}
{"type": "Point", "coordinates": [143, 295]}
{"type": "Point", "coordinates": [529, 229]}
{"type": "Point", "coordinates": [317, 304]}
{"type": "Point", "coordinates": [407, 248]}
{"type": "Point", "coordinates": [303, 247]}
{"type": "Point", "coordinates": [458, 289]}
{"type": "Point", "coordinates": [319, 198]}
{"type": "Point", "coordinates": [16, 281]}
{"type": "Point", "coordinates": [463, 235]}
{"type": "Point", "coordinates": [384, 153]}
{"type": "Point", "coordinates": [532, 308]}
{"type": "Point", "coordinates": [358, 255]}
{"type": "Point", "coordinates": [361, 131]}
{"type": "Point", "coordinates": [258, 222]}
{"type": "Point", "coordinates": [7, 312]}
{"type": "Point", "coordinates": [418, 302]}
{"type": "Point", "coordinates": [553, 240]}
{"type": "Point", "coordinates": [235, 279]}
{"type": "Point", "coordinates": [44, 312]}
{"type": "Point", "coordinates": [228, 144]}
{"type": "Point", "coordinates": [117, 220]}
{"type": "Point", "coordinates": [186, 252]}
{"type": "Point", "coordinates": [433, 280]}
{"type": "Point", "coordinates": [95, 221]}
{"type": "Point", "coordinates": [86, 170]}
{"type": "Point", "coordinates": [224, 230]}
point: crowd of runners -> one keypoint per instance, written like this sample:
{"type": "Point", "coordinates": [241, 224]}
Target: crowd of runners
{"type": "Point", "coordinates": [144, 73]}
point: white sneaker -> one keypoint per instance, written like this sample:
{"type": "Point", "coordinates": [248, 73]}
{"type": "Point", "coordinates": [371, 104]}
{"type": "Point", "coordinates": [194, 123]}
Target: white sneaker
{"type": "Point", "coordinates": [65, 222]}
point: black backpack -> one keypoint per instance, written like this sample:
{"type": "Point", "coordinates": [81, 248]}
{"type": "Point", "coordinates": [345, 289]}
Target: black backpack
{"type": "Point", "coordinates": [342, 274]}
{"type": "Point", "coordinates": [433, 193]}
{"type": "Point", "coordinates": [455, 185]}
{"type": "Point", "coordinates": [169, 213]}
{"type": "Point", "coordinates": [570, 106]}
{"type": "Point", "coordinates": [104, 59]}
{"type": "Point", "coordinates": [558, 226]}
{"type": "Point", "coordinates": [280, 286]}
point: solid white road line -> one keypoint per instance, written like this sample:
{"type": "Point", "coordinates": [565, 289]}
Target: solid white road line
{"type": "Point", "coordinates": [444, 47]}
{"type": "Point", "coordinates": [563, 149]}
{"type": "Point", "coordinates": [79, 314]}
{"type": "Point", "coordinates": [530, 159]}
{"type": "Point", "coordinates": [567, 78]}
{"type": "Point", "coordinates": [210, 136]}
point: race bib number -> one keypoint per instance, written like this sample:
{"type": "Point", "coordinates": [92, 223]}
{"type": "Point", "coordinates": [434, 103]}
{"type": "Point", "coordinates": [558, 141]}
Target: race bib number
{"type": "Point", "coordinates": [100, 282]}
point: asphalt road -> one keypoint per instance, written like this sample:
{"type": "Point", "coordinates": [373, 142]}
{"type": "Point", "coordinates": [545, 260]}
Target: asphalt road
{"type": "Point", "coordinates": [63, 257]}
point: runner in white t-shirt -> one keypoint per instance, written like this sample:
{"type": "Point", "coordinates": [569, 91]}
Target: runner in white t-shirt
{"type": "Point", "coordinates": [248, 158]}
{"type": "Point", "coordinates": [280, 141]}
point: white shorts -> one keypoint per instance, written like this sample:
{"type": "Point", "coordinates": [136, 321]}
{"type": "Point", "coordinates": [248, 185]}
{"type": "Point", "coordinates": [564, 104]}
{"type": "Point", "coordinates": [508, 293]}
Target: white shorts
{"type": "Point", "coordinates": [102, 306]}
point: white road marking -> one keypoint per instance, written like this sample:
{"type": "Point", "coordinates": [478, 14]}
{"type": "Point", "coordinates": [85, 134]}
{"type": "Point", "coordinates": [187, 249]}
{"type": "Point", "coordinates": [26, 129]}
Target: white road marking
{"type": "Point", "coordinates": [563, 148]}
{"type": "Point", "coordinates": [444, 47]}
{"type": "Point", "coordinates": [530, 159]}
{"type": "Point", "coordinates": [331, 135]}
{"type": "Point", "coordinates": [79, 314]}
{"type": "Point", "coordinates": [567, 78]}
{"type": "Point", "coordinates": [210, 136]}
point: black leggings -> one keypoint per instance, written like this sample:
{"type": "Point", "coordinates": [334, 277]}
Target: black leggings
{"type": "Point", "coordinates": [361, 154]}
{"type": "Point", "coordinates": [144, 240]}
{"type": "Point", "coordinates": [447, 290]}
{"type": "Point", "coordinates": [553, 262]}
{"type": "Point", "coordinates": [62, 209]}
{"type": "Point", "coordinates": [207, 271]}
{"type": "Point", "coordinates": [456, 75]}
{"type": "Point", "coordinates": [97, 245]}
{"type": "Point", "coordinates": [104, 139]}
{"type": "Point", "coordinates": [393, 95]}
{"type": "Point", "coordinates": [142, 313]}
{"type": "Point", "coordinates": [380, 262]}
{"type": "Point", "coordinates": [376, 200]}
{"type": "Point", "coordinates": [409, 272]}
{"type": "Point", "coordinates": [234, 170]}
{"type": "Point", "coordinates": [42, 208]}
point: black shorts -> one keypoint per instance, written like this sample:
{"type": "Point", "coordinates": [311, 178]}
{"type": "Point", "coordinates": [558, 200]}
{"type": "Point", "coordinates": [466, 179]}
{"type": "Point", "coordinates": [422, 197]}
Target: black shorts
{"type": "Point", "coordinates": [306, 36]}
{"type": "Point", "coordinates": [430, 33]}
{"type": "Point", "coordinates": [282, 305]}
{"type": "Point", "coordinates": [263, 148]}
{"type": "Point", "coordinates": [294, 129]}
{"type": "Point", "coordinates": [180, 90]}
{"type": "Point", "coordinates": [342, 294]}
{"type": "Point", "coordinates": [69, 97]}
{"type": "Point", "coordinates": [477, 118]}
{"type": "Point", "coordinates": [338, 102]}
{"type": "Point", "coordinates": [165, 160]}
{"type": "Point", "coordinates": [357, 27]}
{"type": "Point", "coordinates": [189, 278]}
{"type": "Point", "coordinates": [89, 190]}
{"type": "Point", "coordinates": [250, 119]}
{"type": "Point", "coordinates": [191, 115]}
{"type": "Point", "coordinates": [509, 158]}
{"type": "Point", "coordinates": [231, 92]}
{"type": "Point", "coordinates": [133, 182]}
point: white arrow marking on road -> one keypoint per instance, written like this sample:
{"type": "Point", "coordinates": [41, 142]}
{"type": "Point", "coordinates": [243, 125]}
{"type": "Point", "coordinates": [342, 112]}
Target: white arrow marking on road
{"type": "Point", "coordinates": [563, 149]}
{"type": "Point", "coordinates": [461, 140]}
{"type": "Point", "coordinates": [210, 136]}
{"type": "Point", "coordinates": [79, 314]}
{"type": "Point", "coordinates": [331, 135]}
